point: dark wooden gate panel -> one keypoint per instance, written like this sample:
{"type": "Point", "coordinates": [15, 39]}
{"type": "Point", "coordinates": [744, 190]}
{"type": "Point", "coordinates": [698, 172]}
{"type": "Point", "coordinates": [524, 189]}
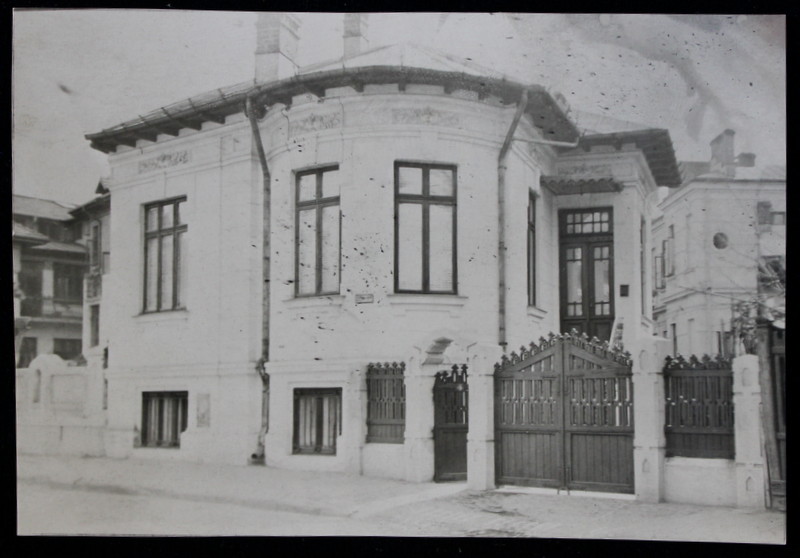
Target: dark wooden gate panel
{"type": "Point", "coordinates": [451, 417]}
{"type": "Point", "coordinates": [564, 416]}
{"type": "Point", "coordinates": [772, 378]}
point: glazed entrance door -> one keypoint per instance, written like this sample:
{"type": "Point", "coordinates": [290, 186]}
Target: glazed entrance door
{"type": "Point", "coordinates": [587, 271]}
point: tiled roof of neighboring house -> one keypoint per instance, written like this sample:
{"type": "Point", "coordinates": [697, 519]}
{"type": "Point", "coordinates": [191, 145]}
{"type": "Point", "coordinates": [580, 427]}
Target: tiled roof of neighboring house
{"type": "Point", "coordinates": [38, 207]}
{"type": "Point", "coordinates": [54, 246]}
{"type": "Point", "coordinates": [25, 234]}
{"type": "Point", "coordinates": [562, 186]}
{"type": "Point", "coordinates": [99, 205]}
{"type": "Point", "coordinates": [399, 64]}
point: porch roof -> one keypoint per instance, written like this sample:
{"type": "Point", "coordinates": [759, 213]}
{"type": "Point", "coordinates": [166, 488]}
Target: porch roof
{"type": "Point", "coordinates": [561, 186]}
{"type": "Point", "coordinates": [655, 144]}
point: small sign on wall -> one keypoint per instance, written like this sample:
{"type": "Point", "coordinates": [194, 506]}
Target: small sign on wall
{"type": "Point", "coordinates": [365, 298]}
{"type": "Point", "coordinates": [203, 410]}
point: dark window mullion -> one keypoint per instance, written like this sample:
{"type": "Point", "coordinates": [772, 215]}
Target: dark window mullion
{"type": "Point", "coordinates": [319, 425]}
{"type": "Point", "coordinates": [426, 229]}
{"type": "Point", "coordinates": [318, 254]}
{"type": "Point", "coordinates": [158, 262]}
{"type": "Point", "coordinates": [175, 255]}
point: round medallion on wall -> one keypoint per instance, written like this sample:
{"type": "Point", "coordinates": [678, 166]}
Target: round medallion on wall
{"type": "Point", "coordinates": [720, 240]}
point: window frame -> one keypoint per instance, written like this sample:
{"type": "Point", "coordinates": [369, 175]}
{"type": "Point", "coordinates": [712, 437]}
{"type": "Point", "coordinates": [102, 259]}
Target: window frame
{"type": "Point", "coordinates": [531, 234]}
{"type": "Point", "coordinates": [160, 232]}
{"type": "Point", "coordinates": [318, 394]}
{"type": "Point", "coordinates": [668, 247]}
{"type": "Point", "coordinates": [72, 275]}
{"type": "Point", "coordinates": [182, 419]}
{"type": "Point", "coordinates": [319, 203]}
{"type": "Point", "coordinates": [425, 199]}
{"type": "Point", "coordinates": [94, 325]}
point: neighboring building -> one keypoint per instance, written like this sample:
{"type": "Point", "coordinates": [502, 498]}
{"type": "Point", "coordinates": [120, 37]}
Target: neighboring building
{"type": "Point", "coordinates": [48, 280]}
{"type": "Point", "coordinates": [720, 240]}
{"type": "Point", "coordinates": [94, 221]}
{"type": "Point", "coordinates": [347, 232]}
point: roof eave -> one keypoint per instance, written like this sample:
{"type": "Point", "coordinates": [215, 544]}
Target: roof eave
{"type": "Point", "coordinates": [547, 114]}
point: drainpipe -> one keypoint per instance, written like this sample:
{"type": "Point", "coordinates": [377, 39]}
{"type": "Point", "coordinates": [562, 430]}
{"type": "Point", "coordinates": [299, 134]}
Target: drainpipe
{"type": "Point", "coordinates": [259, 457]}
{"type": "Point", "coordinates": [501, 218]}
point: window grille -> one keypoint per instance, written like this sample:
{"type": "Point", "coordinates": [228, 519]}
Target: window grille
{"type": "Point", "coordinates": [699, 408]}
{"type": "Point", "coordinates": [386, 402]}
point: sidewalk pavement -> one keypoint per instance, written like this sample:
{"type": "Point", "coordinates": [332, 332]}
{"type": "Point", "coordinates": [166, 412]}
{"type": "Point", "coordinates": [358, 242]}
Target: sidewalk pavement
{"type": "Point", "coordinates": [447, 509]}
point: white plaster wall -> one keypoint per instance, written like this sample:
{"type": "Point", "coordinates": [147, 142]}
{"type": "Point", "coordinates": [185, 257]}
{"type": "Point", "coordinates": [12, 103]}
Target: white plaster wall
{"type": "Point", "coordinates": [211, 346]}
{"type": "Point", "coordinates": [366, 149]}
{"type": "Point", "coordinates": [707, 482]}
{"type": "Point", "coordinates": [698, 212]}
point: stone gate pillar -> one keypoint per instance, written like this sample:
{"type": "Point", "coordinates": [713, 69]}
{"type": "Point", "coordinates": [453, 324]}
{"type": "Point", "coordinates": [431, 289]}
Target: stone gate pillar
{"type": "Point", "coordinates": [648, 420]}
{"type": "Point", "coordinates": [419, 422]}
{"type": "Point", "coordinates": [480, 435]}
{"type": "Point", "coordinates": [750, 478]}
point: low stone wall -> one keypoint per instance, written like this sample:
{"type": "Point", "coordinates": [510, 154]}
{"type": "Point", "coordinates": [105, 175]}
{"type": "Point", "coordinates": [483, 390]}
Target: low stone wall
{"type": "Point", "coordinates": [60, 408]}
{"type": "Point", "coordinates": [736, 482]}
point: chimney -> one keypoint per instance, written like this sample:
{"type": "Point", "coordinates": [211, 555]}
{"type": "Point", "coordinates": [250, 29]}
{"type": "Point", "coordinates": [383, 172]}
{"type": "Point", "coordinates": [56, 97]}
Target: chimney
{"type": "Point", "coordinates": [276, 46]}
{"type": "Point", "coordinates": [722, 159]}
{"type": "Point", "coordinates": [355, 34]}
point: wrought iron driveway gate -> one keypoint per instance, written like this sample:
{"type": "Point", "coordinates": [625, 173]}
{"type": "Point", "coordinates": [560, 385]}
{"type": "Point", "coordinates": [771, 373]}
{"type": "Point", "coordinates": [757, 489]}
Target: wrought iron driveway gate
{"type": "Point", "coordinates": [564, 416]}
{"type": "Point", "coordinates": [450, 418]}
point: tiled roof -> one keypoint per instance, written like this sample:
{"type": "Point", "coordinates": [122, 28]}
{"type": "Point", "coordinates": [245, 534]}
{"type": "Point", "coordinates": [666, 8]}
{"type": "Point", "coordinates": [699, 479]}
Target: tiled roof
{"type": "Point", "coordinates": [54, 246]}
{"type": "Point", "coordinates": [399, 64]}
{"type": "Point", "coordinates": [405, 55]}
{"type": "Point", "coordinates": [22, 233]}
{"type": "Point", "coordinates": [38, 207]}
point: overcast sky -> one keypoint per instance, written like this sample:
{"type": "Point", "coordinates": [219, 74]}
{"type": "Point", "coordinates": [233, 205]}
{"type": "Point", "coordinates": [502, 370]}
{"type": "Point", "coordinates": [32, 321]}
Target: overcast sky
{"type": "Point", "coordinates": [78, 71]}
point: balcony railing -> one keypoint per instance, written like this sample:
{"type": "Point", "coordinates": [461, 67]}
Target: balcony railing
{"type": "Point", "coordinates": [43, 307]}
{"type": "Point", "coordinates": [94, 285]}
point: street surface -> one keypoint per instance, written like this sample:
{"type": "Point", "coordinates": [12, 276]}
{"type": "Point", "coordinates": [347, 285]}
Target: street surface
{"type": "Point", "coordinates": [47, 510]}
{"type": "Point", "coordinates": [101, 496]}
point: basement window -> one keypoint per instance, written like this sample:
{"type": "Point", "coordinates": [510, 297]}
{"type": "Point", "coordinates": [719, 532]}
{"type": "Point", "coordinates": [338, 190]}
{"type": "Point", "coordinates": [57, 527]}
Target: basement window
{"type": "Point", "coordinates": [317, 420]}
{"type": "Point", "coordinates": [164, 417]}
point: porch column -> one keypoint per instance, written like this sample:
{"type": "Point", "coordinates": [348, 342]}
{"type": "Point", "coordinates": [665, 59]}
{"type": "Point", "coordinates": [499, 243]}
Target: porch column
{"type": "Point", "coordinates": [649, 441]}
{"type": "Point", "coordinates": [419, 423]}
{"type": "Point", "coordinates": [750, 477]}
{"type": "Point", "coordinates": [480, 435]}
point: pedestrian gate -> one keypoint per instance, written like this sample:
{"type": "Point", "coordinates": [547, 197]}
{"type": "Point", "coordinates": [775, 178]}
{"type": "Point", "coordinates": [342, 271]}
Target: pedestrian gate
{"type": "Point", "coordinates": [450, 418]}
{"type": "Point", "coordinates": [564, 416]}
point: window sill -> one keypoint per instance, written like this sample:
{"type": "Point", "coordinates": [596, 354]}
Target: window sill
{"type": "Point", "coordinates": [536, 312]}
{"type": "Point", "coordinates": [449, 303]}
{"type": "Point", "coordinates": [317, 301]}
{"type": "Point", "coordinates": [427, 299]}
{"type": "Point", "coordinates": [165, 316]}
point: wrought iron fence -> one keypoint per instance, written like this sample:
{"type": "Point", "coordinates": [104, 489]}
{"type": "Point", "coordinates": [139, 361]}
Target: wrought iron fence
{"type": "Point", "coordinates": [699, 407]}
